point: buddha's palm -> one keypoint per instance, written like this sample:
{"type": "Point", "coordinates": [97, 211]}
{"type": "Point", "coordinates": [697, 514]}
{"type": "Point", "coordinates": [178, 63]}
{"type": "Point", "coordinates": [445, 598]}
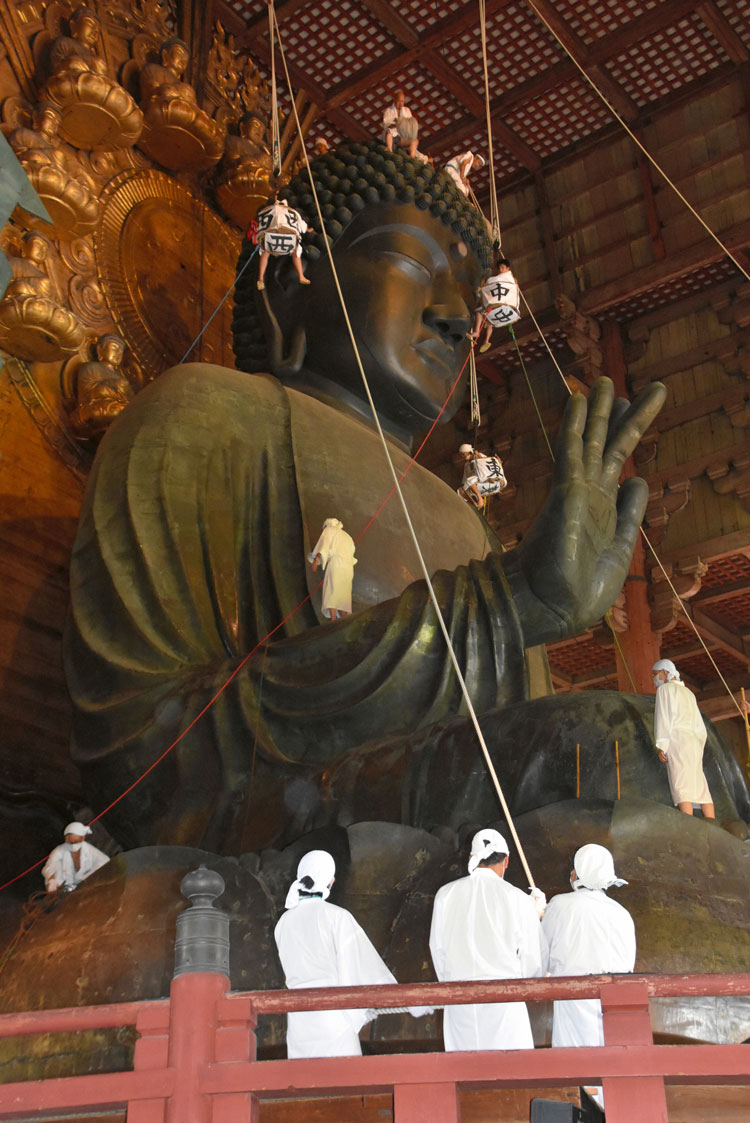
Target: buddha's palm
{"type": "Point", "coordinates": [572, 564]}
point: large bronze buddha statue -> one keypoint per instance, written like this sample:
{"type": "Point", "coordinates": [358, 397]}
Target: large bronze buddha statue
{"type": "Point", "coordinates": [207, 494]}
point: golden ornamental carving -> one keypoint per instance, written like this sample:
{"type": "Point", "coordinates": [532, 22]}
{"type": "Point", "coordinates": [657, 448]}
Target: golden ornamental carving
{"type": "Point", "coordinates": [245, 180]}
{"type": "Point", "coordinates": [235, 78]}
{"type": "Point", "coordinates": [96, 111]}
{"type": "Point", "coordinates": [33, 323]}
{"type": "Point", "coordinates": [57, 176]}
{"type": "Point", "coordinates": [97, 391]}
{"type": "Point", "coordinates": [177, 133]}
{"type": "Point", "coordinates": [165, 261]}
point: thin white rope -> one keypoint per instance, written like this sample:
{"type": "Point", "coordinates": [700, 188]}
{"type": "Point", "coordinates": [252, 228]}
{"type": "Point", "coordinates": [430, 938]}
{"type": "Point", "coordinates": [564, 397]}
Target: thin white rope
{"type": "Point", "coordinates": [543, 338]}
{"type": "Point", "coordinates": [402, 500]}
{"type": "Point", "coordinates": [494, 213]}
{"type": "Point", "coordinates": [691, 622]}
{"type": "Point", "coordinates": [654, 163]}
{"type": "Point", "coordinates": [475, 418]}
{"type": "Point", "coordinates": [275, 134]}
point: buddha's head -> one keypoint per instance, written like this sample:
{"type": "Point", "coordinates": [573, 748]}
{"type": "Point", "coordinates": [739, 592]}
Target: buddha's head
{"type": "Point", "coordinates": [410, 252]}
{"type": "Point", "coordinates": [35, 247]}
{"type": "Point", "coordinates": [110, 349]}
{"type": "Point", "coordinates": [47, 118]}
{"type": "Point", "coordinates": [252, 127]}
{"type": "Point", "coordinates": [84, 26]}
{"type": "Point", "coordinates": [175, 55]}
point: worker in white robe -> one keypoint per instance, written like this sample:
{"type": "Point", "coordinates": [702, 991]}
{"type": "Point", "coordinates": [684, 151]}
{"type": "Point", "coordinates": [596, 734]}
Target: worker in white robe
{"type": "Point", "coordinates": [680, 736]}
{"type": "Point", "coordinates": [334, 551]}
{"type": "Point", "coordinates": [483, 475]}
{"type": "Point", "coordinates": [587, 934]}
{"type": "Point", "coordinates": [279, 230]}
{"type": "Point", "coordinates": [459, 168]}
{"type": "Point", "coordinates": [395, 126]}
{"type": "Point", "coordinates": [73, 861]}
{"type": "Point", "coordinates": [321, 945]}
{"type": "Point", "coordinates": [485, 928]}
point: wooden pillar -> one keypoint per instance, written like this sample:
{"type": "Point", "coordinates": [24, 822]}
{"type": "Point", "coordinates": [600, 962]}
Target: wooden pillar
{"type": "Point", "coordinates": [640, 643]}
{"type": "Point", "coordinates": [627, 1022]}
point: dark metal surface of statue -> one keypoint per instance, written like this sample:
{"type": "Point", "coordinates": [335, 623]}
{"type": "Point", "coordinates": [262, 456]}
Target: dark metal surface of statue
{"type": "Point", "coordinates": [215, 484]}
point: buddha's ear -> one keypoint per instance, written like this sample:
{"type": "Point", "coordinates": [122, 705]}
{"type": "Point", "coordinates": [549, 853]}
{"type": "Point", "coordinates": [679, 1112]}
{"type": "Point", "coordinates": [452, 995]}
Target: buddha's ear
{"type": "Point", "coordinates": [280, 307]}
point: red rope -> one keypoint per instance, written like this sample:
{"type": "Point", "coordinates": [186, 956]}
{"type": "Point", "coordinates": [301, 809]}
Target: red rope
{"type": "Point", "coordinates": [259, 644]}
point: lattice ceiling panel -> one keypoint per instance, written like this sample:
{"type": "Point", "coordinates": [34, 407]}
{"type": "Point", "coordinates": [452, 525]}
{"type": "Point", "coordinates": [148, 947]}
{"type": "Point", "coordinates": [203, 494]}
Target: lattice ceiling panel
{"type": "Point", "coordinates": [518, 48]}
{"type": "Point", "coordinates": [335, 40]}
{"type": "Point", "coordinates": [679, 638]}
{"type": "Point", "coordinates": [532, 349]}
{"type": "Point", "coordinates": [733, 614]}
{"type": "Point", "coordinates": [726, 571]}
{"type": "Point", "coordinates": [700, 669]}
{"type": "Point", "coordinates": [597, 18]}
{"type": "Point", "coordinates": [559, 118]}
{"type": "Point", "coordinates": [654, 68]}
{"type": "Point", "coordinates": [432, 105]}
{"type": "Point", "coordinates": [658, 297]}
{"type": "Point", "coordinates": [584, 657]}
{"type": "Point", "coordinates": [422, 15]}
{"type": "Point", "coordinates": [738, 16]}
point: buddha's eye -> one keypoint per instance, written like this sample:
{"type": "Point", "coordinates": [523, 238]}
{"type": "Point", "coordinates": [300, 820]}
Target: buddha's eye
{"type": "Point", "coordinates": [409, 265]}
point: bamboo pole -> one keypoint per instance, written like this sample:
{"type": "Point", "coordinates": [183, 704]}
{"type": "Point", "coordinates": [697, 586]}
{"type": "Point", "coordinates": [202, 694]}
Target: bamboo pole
{"type": "Point", "coordinates": [578, 769]}
{"type": "Point", "coordinates": [617, 767]}
{"type": "Point", "coordinates": [747, 727]}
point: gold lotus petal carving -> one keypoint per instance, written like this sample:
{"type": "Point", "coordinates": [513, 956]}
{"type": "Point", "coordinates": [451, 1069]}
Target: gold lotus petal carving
{"type": "Point", "coordinates": [96, 111]}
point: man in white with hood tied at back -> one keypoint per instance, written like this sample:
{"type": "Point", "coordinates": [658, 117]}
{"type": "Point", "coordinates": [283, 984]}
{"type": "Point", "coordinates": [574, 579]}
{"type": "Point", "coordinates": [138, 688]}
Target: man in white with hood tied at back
{"type": "Point", "coordinates": [587, 934]}
{"type": "Point", "coordinates": [334, 550]}
{"type": "Point", "coordinates": [321, 945]}
{"type": "Point", "coordinates": [72, 861]}
{"type": "Point", "coordinates": [485, 928]}
{"type": "Point", "coordinates": [680, 737]}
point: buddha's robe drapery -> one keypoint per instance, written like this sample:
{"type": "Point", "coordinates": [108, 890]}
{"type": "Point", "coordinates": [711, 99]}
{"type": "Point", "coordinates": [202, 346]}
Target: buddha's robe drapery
{"type": "Point", "coordinates": [204, 499]}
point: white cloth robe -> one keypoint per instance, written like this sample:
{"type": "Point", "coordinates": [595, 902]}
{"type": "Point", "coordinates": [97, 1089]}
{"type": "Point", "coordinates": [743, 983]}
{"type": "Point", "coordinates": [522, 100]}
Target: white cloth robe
{"type": "Point", "coordinates": [485, 928]}
{"type": "Point", "coordinates": [681, 735]}
{"type": "Point", "coordinates": [458, 166]}
{"type": "Point", "coordinates": [390, 119]}
{"type": "Point", "coordinates": [336, 549]}
{"type": "Point", "coordinates": [587, 933]}
{"type": "Point", "coordinates": [321, 945]}
{"type": "Point", "coordinates": [60, 869]}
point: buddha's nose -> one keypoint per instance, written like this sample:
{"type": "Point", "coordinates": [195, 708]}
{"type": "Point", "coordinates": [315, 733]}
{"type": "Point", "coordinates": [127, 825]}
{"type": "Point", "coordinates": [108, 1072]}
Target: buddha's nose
{"type": "Point", "coordinates": [450, 323]}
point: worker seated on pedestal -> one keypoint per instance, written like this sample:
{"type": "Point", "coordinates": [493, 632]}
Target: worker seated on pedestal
{"type": "Point", "coordinates": [73, 861]}
{"type": "Point", "coordinates": [483, 476]}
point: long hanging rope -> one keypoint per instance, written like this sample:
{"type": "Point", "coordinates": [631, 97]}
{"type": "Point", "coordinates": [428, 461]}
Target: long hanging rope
{"type": "Point", "coordinates": [275, 132]}
{"type": "Point", "coordinates": [475, 417]}
{"type": "Point", "coordinates": [218, 307]}
{"type": "Point", "coordinates": [654, 163]}
{"type": "Point", "coordinates": [494, 214]}
{"type": "Point", "coordinates": [402, 500]}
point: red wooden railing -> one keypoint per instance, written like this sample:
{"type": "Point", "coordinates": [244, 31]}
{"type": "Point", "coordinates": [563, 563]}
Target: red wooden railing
{"type": "Point", "coordinates": [195, 1054]}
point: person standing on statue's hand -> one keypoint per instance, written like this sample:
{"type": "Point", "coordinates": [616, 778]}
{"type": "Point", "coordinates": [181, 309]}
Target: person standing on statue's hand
{"type": "Point", "coordinates": [485, 928]}
{"type": "Point", "coordinates": [72, 861]}
{"type": "Point", "coordinates": [680, 737]}
{"type": "Point", "coordinates": [587, 933]}
{"type": "Point", "coordinates": [321, 945]}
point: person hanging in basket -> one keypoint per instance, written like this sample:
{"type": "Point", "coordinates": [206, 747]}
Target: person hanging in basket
{"type": "Point", "coordinates": [280, 229]}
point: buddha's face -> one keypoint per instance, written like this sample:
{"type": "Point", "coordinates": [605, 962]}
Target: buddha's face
{"type": "Point", "coordinates": [47, 122]}
{"type": "Point", "coordinates": [35, 249]}
{"type": "Point", "coordinates": [253, 129]}
{"type": "Point", "coordinates": [85, 30]}
{"type": "Point", "coordinates": [409, 285]}
{"type": "Point", "coordinates": [110, 351]}
{"type": "Point", "coordinates": [175, 58]}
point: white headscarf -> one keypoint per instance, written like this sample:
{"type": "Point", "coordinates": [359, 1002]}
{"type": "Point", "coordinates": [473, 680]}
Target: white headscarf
{"type": "Point", "coordinates": [320, 867]}
{"type": "Point", "coordinates": [77, 828]}
{"type": "Point", "coordinates": [333, 522]}
{"type": "Point", "coordinates": [673, 675]}
{"type": "Point", "coordinates": [485, 843]}
{"type": "Point", "coordinates": [595, 868]}
{"type": "Point", "coordinates": [465, 448]}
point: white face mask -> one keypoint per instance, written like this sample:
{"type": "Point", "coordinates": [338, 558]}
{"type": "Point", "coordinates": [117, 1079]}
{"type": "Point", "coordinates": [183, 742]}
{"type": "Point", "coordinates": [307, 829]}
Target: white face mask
{"type": "Point", "coordinates": [75, 846]}
{"type": "Point", "coordinates": [657, 680]}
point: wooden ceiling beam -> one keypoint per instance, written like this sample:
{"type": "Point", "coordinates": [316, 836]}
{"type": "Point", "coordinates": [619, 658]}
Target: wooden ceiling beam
{"type": "Point", "coordinates": [448, 28]}
{"type": "Point", "coordinates": [724, 592]}
{"type": "Point", "coordinates": [578, 51]}
{"type": "Point", "coordinates": [723, 32]}
{"type": "Point", "coordinates": [392, 21]}
{"type": "Point", "coordinates": [719, 636]}
{"type": "Point", "coordinates": [256, 28]}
